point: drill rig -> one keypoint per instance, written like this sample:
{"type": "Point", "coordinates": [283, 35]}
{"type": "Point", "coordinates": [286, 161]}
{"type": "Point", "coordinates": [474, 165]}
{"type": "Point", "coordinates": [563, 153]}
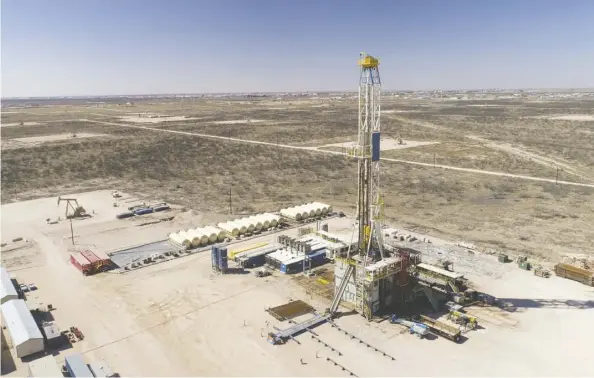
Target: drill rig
{"type": "Point", "coordinates": [371, 265]}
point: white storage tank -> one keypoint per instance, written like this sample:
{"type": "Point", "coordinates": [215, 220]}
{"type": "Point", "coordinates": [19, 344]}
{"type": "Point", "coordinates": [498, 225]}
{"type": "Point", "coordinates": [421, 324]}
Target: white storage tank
{"type": "Point", "coordinates": [221, 234]}
{"type": "Point", "coordinates": [265, 221]}
{"type": "Point", "coordinates": [292, 213]}
{"type": "Point", "coordinates": [211, 234]}
{"type": "Point", "coordinates": [316, 206]}
{"type": "Point", "coordinates": [323, 207]}
{"type": "Point", "coordinates": [229, 228]}
{"type": "Point", "coordinates": [257, 222]}
{"type": "Point", "coordinates": [203, 235]}
{"type": "Point", "coordinates": [241, 227]}
{"type": "Point", "coordinates": [249, 226]}
{"type": "Point", "coordinates": [196, 237]}
{"type": "Point", "coordinates": [274, 220]}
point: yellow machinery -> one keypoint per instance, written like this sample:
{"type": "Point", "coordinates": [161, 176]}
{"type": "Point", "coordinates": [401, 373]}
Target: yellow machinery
{"type": "Point", "coordinates": [464, 319]}
{"type": "Point", "coordinates": [233, 253]}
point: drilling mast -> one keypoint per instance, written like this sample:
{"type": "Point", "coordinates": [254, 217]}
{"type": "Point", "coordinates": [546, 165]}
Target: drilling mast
{"type": "Point", "coordinates": [371, 265]}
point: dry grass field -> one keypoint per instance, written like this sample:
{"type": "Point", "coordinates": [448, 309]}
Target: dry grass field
{"type": "Point", "coordinates": [497, 212]}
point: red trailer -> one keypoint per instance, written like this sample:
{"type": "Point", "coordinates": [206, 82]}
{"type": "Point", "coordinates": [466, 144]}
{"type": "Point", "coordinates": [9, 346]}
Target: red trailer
{"type": "Point", "coordinates": [99, 261]}
{"type": "Point", "coordinates": [81, 263]}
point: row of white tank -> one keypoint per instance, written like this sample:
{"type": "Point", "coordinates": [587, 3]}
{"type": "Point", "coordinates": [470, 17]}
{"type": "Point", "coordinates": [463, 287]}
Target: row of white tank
{"type": "Point", "coordinates": [196, 237]}
{"type": "Point", "coordinates": [306, 211]}
{"type": "Point", "coordinates": [250, 224]}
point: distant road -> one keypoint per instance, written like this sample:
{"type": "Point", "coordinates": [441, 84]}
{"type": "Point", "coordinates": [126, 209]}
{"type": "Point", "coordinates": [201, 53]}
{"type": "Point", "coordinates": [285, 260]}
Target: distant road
{"type": "Point", "coordinates": [315, 149]}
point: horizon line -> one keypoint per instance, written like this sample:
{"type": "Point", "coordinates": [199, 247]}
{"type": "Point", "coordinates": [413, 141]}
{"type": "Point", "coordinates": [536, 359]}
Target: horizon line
{"type": "Point", "coordinates": [296, 92]}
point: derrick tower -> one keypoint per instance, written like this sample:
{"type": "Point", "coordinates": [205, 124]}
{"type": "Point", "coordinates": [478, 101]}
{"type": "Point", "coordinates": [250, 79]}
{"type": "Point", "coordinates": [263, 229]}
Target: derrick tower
{"type": "Point", "coordinates": [370, 266]}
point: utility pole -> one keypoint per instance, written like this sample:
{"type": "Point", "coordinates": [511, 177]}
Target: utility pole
{"type": "Point", "coordinates": [557, 178]}
{"type": "Point", "coordinates": [230, 203]}
{"type": "Point", "coordinates": [434, 160]}
{"type": "Point", "coordinates": [71, 231]}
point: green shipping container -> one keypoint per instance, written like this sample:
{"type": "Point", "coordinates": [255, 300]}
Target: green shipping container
{"type": "Point", "coordinates": [524, 265]}
{"type": "Point", "coordinates": [502, 258]}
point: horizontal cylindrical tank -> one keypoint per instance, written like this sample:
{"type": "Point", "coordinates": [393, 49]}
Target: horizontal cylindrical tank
{"type": "Point", "coordinates": [265, 221]}
{"type": "Point", "coordinates": [221, 234]}
{"type": "Point", "coordinates": [292, 213]}
{"type": "Point", "coordinates": [241, 227]}
{"type": "Point", "coordinates": [229, 228]}
{"type": "Point", "coordinates": [247, 223]}
{"type": "Point", "coordinates": [211, 234]}
{"type": "Point", "coordinates": [196, 237]}
{"type": "Point", "coordinates": [203, 235]}
{"type": "Point", "coordinates": [323, 207]}
{"type": "Point", "coordinates": [256, 222]}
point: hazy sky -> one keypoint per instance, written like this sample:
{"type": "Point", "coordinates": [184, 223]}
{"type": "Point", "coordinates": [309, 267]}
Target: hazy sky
{"type": "Point", "coordinates": [101, 47]}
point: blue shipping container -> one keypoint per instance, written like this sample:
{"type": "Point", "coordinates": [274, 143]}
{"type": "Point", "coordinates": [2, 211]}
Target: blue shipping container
{"type": "Point", "coordinates": [375, 146]}
{"type": "Point", "coordinates": [127, 214]}
{"type": "Point", "coordinates": [161, 208]}
{"type": "Point", "coordinates": [143, 211]}
{"type": "Point", "coordinates": [222, 258]}
{"type": "Point", "coordinates": [215, 256]}
{"type": "Point", "coordinates": [76, 366]}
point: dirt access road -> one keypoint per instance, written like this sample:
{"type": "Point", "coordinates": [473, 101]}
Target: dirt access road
{"type": "Point", "coordinates": [316, 149]}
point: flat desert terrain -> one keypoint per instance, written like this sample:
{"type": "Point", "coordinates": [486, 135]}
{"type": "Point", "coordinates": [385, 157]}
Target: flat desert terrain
{"type": "Point", "coordinates": [512, 176]}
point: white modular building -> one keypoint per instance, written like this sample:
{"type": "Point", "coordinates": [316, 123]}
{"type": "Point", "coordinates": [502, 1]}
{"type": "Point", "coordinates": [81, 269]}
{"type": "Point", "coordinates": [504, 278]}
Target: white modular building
{"type": "Point", "coordinates": [8, 290]}
{"type": "Point", "coordinates": [24, 333]}
{"type": "Point", "coordinates": [44, 367]}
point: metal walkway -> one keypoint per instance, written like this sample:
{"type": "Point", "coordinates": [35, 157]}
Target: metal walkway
{"type": "Point", "coordinates": [343, 285]}
{"type": "Point", "coordinates": [285, 334]}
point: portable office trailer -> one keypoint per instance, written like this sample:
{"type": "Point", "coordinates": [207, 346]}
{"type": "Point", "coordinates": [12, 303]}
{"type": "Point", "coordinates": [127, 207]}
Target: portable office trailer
{"type": "Point", "coordinates": [26, 336]}
{"type": "Point", "coordinates": [101, 369]}
{"type": "Point", "coordinates": [76, 366]}
{"type": "Point", "coordinates": [8, 290]}
{"type": "Point", "coordinates": [44, 367]}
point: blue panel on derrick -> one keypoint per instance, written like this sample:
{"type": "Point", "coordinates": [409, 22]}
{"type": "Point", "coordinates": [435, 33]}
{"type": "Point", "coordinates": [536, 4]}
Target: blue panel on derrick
{"type": "Point", "coordinates": [375, 146]}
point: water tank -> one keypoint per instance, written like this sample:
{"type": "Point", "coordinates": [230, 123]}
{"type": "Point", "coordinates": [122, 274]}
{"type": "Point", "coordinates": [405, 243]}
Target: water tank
{"type": "Point", "coordinates": [323, 207]}
{"type": "Point", "coordinates": [248, 224]}
{"type": "Point", "coordinates": [203, 235]}
{"type": "Point", "coordinates": [318, 209]}
{"type": "Point", "coordinates": [229, 228]}
{"type": "Point", "coordinates": [221, 234]}
{"type": "Point", "coordinates": [256, 222]}
{"type": "Point", "coordinates": [196, 238]}
{"type": "Point", "coordinates": [241, 227]}
{"type": "Point", "coordinates": [265, 221]}
{"type": "Point", "coordinates": [211, 234]}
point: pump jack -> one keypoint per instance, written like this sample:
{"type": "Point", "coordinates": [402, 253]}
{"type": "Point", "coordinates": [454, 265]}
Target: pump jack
{"type": "Point", "coordinates": [77, 210]}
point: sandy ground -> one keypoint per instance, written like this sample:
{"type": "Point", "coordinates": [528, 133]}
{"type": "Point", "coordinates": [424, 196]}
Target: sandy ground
{"type": "Point", "coordinates": [33, 141]}
{"type": "Point", "coordinates": [392, 111]}
{"type": "Point", "coordinates": [11, 124]}
{"type": "Point", "coordinates": [237, 121]}
{"type": "Point", "coordinates": [158, 119]}
{"type": "Point", "coordinates": [386, 144]}
{"type": "Point", "coordinates": [155, 321]}
{"type": "Point", "coordinates": [575, 117]}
